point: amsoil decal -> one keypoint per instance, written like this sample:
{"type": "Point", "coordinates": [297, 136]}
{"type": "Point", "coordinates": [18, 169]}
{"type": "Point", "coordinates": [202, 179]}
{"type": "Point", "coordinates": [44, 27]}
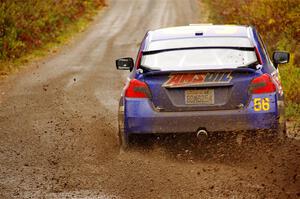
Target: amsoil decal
{"type": "Point", "coordinates": [183, 80]}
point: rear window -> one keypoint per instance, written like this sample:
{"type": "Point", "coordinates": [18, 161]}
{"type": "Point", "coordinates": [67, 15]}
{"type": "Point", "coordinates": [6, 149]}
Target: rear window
{"type": "Point", "coordinates": [199, 53]}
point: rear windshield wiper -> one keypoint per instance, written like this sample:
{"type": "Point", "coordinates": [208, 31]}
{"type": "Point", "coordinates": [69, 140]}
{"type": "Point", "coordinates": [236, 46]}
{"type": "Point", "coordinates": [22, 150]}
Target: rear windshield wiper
{"type": "Point", "coordinates": [195, 48]}
{"type": "Point", "coordinates": [252, 65]}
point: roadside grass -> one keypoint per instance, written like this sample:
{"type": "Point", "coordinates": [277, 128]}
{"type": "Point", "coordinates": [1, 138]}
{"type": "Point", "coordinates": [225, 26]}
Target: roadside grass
{"type": "Point", "coordinates": [290, 78]}
{"type": "Point", "coordinates": [50, 44]}
{"type": "Point", "coordinates": [292, 111]}
{"type": "Point", "coordinates": [13, 65]}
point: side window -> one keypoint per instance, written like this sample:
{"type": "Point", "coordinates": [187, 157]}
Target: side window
{"type": "Point", "coordinates": [264, 48]}
{"type": "Point", "coordinates": [139, 55]}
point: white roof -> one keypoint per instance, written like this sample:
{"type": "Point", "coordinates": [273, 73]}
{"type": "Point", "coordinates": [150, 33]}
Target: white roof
{"type": "Point", "coordinates": [207, 30]}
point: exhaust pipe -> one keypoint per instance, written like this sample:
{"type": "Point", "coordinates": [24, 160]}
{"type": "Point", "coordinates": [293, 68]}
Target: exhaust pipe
{"type": "Point", "coordinates": [202, 134]}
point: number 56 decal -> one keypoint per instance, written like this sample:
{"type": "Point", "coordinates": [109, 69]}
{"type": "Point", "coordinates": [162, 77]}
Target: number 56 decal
{"type": "Point", "coordinates": [261, 104]}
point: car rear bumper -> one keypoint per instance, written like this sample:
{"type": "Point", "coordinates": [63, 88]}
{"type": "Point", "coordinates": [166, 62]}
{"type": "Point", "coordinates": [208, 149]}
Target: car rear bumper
{"type": "Point", "coordinates": [141, 117]}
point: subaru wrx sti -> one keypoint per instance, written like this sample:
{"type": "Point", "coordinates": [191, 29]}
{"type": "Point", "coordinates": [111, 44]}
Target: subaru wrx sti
{"type": "Point", "coordinates": [201, 78]}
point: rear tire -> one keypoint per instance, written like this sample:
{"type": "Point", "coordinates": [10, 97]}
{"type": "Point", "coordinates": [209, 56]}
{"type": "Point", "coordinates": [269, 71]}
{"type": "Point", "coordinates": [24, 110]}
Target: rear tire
{"type": "Point", "coordinates": [277, 135]}
{"type": "Point", "coordinates": [123, 137]}
{"type": "Point", "coordinates": [281, 130]}
{"type": "Point", "coordinates": [281, 133]}
{"type": "Point", "coordinates": [123, 141]}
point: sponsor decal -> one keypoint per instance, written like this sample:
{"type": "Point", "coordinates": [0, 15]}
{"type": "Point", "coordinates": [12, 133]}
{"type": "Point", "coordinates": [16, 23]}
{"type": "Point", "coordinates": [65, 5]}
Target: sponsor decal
{"type": "Point", "coordinates": [186, 80]}
{"type": "Point", "coordinates": [261, 104]}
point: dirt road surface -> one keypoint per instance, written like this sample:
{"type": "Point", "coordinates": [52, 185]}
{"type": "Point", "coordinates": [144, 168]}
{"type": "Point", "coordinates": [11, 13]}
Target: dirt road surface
{"type": "Point", "coordinates": [58, 127]}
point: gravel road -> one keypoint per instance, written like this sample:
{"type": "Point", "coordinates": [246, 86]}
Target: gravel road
{"type": "Point", "coordinates": [58, 127]}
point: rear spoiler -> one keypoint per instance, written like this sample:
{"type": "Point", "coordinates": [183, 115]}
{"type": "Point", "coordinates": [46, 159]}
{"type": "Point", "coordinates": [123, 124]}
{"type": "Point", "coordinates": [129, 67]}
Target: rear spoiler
{"type": "Point", "coordinates": [235, 70]}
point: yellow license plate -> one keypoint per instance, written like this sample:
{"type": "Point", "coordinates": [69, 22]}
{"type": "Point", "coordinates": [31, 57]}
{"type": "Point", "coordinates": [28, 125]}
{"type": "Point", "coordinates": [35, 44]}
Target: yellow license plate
{"type": "Point", "coordinates": [200, 97]}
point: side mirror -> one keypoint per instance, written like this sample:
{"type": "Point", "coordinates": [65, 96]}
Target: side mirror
{"type": "Point", "coordinates": [125, 63]}
{"type": "Point", "coordinates": [280, 58]}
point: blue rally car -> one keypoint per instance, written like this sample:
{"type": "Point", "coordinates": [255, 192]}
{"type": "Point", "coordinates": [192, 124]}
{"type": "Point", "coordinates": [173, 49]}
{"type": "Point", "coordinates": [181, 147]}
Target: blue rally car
{"type": "Point", "coordinates": [202, 79]}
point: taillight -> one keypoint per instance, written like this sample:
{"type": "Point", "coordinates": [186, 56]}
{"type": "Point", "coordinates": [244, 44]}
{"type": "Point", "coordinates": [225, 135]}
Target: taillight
{"type": "Point", "coordinates": [137, 89]}
{"type": "Point", "coordinates": [262, 84]}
